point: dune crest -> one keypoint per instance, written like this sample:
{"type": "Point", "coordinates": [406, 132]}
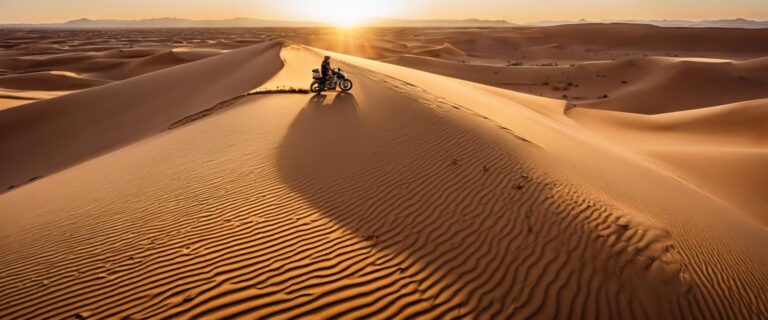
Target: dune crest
{"type": "Point", "coordinates": [414, 196]}
{"type": "Point", "coordinates": [646, 85]}
{"type": "Point", "coordinates": [720, 149]}
{"type": "Point", "coordinates": [49, 81]}
{"type": "Point", "coordinates": [84, 124]}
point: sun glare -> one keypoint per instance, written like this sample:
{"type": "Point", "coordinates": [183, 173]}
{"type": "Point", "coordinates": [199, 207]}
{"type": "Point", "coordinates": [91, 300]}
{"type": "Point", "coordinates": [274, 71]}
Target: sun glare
{"type": "Point", "coordinates": [350, 13]}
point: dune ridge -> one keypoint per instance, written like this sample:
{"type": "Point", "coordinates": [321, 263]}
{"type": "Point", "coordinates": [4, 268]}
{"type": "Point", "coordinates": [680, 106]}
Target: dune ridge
{"type": "Point", "coordinates": [48, 63]}
{"type": "Point", "coordinates": [719, 149]}
{"type": "Point", "coordinates": [118, 54]}
{"type": "Point", "coordinates": [106, 117]}
{"type": "Point", "coordinates": [415, 196]}
{"type": "Point", "coordinates": [49, 81]}
{"type": "Point", "coordinates": [685, 85]}
{"type": "Point", "coordinates": [646, 85]}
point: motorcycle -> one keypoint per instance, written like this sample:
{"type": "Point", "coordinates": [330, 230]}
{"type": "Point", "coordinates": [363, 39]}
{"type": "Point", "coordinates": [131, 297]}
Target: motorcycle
{"type": "Point", "coordinates": [338, 78]}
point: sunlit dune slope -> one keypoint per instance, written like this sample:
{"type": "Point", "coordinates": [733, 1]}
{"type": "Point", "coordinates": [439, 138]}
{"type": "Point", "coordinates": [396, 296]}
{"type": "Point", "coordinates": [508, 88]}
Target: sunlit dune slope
{"type": "Point", "coordinates": [637, 85]}
{"type": "Point", "coordinates": [722, 149]}
{"type": "Point", "coordinates": [97, 57]}
{"type": "Point", "coordinates": [414, 196]}
{"type": "Point", "coordinates": [537, 45]}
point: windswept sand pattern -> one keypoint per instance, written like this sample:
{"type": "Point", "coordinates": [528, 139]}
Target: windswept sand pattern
{"type": "Point", "coordinates": [393, 202]}
{"type": "Point", "coordinates": [223, 218]}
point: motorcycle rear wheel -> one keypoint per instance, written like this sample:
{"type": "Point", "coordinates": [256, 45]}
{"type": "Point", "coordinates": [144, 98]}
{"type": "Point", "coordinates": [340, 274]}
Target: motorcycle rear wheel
{"type": "Point", "coordinates": [315, 87]}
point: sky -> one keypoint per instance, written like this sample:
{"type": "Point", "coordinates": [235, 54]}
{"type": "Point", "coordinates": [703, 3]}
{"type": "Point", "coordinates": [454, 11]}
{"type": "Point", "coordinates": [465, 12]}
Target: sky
{"type": "Point", "coordinates": [521, 11]}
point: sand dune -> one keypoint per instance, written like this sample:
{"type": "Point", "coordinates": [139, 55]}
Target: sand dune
{"type": "Point", "coordinates": [721, 150]}
{"type": "Point", "coordinates": [10, 98]}
{"type": "Point", "coordinates": [540, 45]}
{"type": "Point", "coordinates": [637, 85]}
{"type": "Point", "coordinates": [114, 54]}
{"type": "Point", "coordinates": [740, 124]}
{"type": "Point", "coordinates": [414, 196]}
{"type": "Point", "coordinates": [124, 69]}
{"type": "Point", "coordinates": [116, 64]}
{"type": "Point", "coordinates": [684, 85]}
{"type": "Point", "coordinates": [591, 42]}
{"type": "Point", "coordinates": [445, 50]}
{"type": "Point", "coordinates": [49, 81]}
{"type": "Point", "coordinates": [74, 127]}
{"type": "Point", "coordinates": [45, 60]}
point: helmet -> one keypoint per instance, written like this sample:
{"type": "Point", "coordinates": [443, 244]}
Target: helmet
{"type": "Point", "coordinates": [327, 57]}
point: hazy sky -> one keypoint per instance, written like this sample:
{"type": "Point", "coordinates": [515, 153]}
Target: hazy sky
{"type": "Point", "coordinates": [513, 10]}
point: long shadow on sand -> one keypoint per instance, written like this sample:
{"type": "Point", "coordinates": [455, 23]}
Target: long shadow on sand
{"type": "Point", "coordinates": [325, 143]}
{"type": "Point", "coordinates": [457, 213]}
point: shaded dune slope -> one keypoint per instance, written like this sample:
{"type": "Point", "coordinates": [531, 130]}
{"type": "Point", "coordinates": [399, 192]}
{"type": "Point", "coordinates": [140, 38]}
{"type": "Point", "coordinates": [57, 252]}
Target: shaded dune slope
{"type": "Point", "coordinates": [53, 134]}
{"type": "Point", "coordinates": [49, 75]}
{"type": "Point", "coordinates": [10, 98]}
{"type": "Point", "coordinates": [48, 81]}
{"type": "Point", "coordinates": [120, 69]}
{"type": "Point", "coordinates": [110, 65]}
{"type": "Point", "coordinates": [396, 201]}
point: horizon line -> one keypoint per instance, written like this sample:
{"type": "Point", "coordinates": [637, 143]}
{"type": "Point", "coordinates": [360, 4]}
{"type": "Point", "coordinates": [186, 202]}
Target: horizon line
{"type": "Point", "coordinates": [381, 17]}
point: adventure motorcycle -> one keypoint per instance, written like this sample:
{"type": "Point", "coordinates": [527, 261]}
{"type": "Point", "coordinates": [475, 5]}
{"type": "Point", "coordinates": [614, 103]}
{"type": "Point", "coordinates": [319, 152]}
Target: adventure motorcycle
{"type": "Point", "coordinates": [337, 78]}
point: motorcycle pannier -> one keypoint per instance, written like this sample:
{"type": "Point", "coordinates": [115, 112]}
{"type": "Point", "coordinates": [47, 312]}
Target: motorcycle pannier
{"type": "Point", "coordinates": [316, 74]}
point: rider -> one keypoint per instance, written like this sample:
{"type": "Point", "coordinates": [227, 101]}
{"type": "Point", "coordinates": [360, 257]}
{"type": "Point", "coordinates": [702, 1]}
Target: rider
{"type": "Point", "coordinates": [325, 70]}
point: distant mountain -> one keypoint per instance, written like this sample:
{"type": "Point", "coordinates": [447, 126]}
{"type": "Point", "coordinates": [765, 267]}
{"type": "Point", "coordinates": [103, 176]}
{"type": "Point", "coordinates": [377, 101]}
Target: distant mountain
{"type": "Point", "coordinates": [170, 23]}
{"type": "Point", "coordinates": [251, 22]}
{"type": "Point", "coordinates": [375, 22]}
{"type": "Point", "coordinates": [723, 23]}
{"type": "Point", "coordinates": [389, 22]}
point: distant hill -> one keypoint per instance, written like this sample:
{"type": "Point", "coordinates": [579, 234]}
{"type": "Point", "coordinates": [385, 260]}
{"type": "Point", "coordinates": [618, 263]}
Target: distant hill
{"type": "Point", "coordinates": [170, 23]}
{"type": "Point", "coordinates": [389, 22]}
{"type": "Point", "coordinates": [242, 22]}
{"type": "Point", "coordinates": [722, 23]}
{"type": "Point", "coordinates": [251, 22]}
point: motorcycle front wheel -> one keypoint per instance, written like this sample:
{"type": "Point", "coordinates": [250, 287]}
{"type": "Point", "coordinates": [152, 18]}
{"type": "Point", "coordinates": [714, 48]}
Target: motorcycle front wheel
{"type": "Point", "coordinates": [345, 85]}
{"type": "Point", "coordinates": [314, 87]}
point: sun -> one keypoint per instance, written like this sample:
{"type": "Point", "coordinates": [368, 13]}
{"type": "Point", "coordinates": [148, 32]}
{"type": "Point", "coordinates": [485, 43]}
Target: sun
{"type": "Point", "coordinates": [349, 20]}
{"type": "Point", "coordinates": [350, 13]}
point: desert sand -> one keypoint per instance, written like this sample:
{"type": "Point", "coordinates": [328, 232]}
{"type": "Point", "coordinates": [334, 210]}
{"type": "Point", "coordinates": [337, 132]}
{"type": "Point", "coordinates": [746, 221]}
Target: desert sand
{"type": "Point", "coordinates": [456, 180]}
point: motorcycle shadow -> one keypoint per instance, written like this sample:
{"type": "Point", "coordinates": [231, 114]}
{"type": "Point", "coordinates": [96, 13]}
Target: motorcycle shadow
{"type": "Point", "coordinates": [327, 125]}
{"type": "Point", "coordinates": [343, 103]}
